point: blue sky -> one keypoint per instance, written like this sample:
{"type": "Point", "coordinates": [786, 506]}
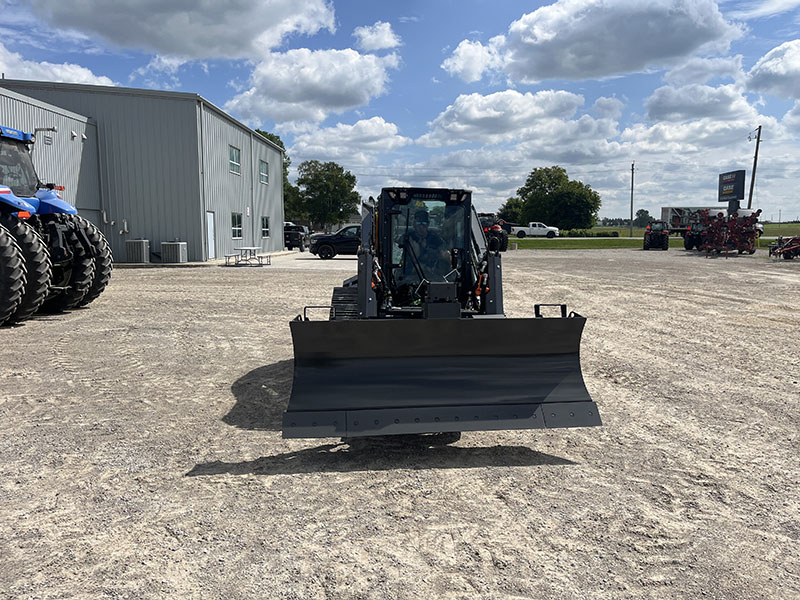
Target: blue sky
{"type": "Point", "coordinates": [464, 93]}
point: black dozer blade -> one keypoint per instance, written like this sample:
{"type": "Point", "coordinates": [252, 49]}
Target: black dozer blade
{"type": "Point", "coordinates": [371, 377]}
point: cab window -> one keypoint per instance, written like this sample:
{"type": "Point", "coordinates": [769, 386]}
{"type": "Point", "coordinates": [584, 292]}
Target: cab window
{"type": "Point", "coordinates": [350, 231]}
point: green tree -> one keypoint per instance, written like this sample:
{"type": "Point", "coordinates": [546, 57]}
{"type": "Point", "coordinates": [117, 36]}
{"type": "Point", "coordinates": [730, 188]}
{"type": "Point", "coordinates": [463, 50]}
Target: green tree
{"type": "Point", "coordinates": [511, 211]}
{"type": "Point", "coordinates": [327, 192]}
{"type": "Point", "coordinates": [551, 197]}
{"type": "Point", "coordinates": [642, 218]}
{"type": "Point", "coordinates": [292, 207]}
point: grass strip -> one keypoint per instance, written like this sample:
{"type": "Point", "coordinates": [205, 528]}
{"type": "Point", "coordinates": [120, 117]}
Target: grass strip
{"type": "Point", "coordinates": [578, 243]}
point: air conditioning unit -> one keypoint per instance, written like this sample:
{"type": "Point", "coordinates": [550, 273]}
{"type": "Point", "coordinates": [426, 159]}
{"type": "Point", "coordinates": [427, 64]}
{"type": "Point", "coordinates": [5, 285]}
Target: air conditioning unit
{"type": "Point", "coordinates": [174, 252]}
{"type": "Point", "coordinates": [137, 251]}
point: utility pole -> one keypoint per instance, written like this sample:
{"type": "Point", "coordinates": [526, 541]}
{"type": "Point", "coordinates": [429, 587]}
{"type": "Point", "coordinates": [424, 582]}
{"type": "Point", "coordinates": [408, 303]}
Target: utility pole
{"type": "Point", "coordinates": [753, 174]}
{"type": "Point", "coordinates": [633, 163]}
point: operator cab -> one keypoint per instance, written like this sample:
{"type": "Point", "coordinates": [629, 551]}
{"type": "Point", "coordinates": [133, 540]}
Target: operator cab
{"type": "Point", "coordinates": [425, 241]}
{"type": "Point", "coordinates": [16, 166]}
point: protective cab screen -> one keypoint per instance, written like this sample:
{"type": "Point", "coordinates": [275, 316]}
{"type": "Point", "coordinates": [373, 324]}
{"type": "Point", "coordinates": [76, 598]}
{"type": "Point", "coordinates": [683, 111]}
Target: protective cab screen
{"type": "Point", "coordinates": [427, 236]}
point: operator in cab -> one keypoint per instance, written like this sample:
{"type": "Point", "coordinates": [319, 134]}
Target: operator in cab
{"type": "Point", "coordinates": [428, 246]}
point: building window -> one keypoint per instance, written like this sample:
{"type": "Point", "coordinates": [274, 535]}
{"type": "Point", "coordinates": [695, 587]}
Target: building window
{"type": "Point", "coordinates": [234, 160]}
{"type": "Point", "coordinates": [263, 171]}
{"type": "Point", "coordinates": [264, 227]}
{"type": "Point", "coordinates": [236, 226]}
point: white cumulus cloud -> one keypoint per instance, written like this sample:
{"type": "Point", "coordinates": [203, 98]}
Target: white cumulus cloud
{"type": "Point", "coordinates": [778, 71]}
{"type": "Point", "coordinates": [697, 101]}
{"type": "Point", "coordinates": [498, 117]}
{"type": "Point", "coordinates": [306, 85]}
{"type": "Point", "coordinates": [580, 39]}
{"type": "Point", "coordinates": [16, 67]}
{"type": "Point", "coordinates": [701, 70]}
{"type": "Point", "coordinates": [376, 37]}
{"type": "Point", "coordinates": [354, 144]}
{"type": "Point", "coordinates": [470, 60]}
{"type": "Point", "coordinates": [609, 108]}
{"type": "Point", "coordinates": [792, 118]}
{"type": "Point", "coordinates": [231, 29]}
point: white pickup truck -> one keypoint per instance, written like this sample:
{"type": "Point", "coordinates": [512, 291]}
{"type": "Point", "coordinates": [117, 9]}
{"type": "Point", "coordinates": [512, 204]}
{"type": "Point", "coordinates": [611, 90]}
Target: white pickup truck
{"type": "Point", "coordinates": [534, 229]}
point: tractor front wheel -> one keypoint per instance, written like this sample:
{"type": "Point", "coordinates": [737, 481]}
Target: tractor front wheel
{"type": "Point", "coordinates": [12, 275]}
{"type": "Point", "coordinates": [38, 268]}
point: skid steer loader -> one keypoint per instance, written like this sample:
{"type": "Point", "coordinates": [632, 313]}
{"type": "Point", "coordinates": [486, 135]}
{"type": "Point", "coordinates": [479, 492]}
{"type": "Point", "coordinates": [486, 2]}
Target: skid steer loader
{"type": "Point", "coordinates": [417, 342]}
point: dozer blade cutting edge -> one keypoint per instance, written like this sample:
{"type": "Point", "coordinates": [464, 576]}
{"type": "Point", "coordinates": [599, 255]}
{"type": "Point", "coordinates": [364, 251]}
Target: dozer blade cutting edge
{"type": "Point", "coordinates": [370, 377]}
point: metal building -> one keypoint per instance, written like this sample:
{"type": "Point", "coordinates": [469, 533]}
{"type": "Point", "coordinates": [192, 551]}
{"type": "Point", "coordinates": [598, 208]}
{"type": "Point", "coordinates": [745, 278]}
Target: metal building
{"type": "Point", "coordinates": [65, 152]}
{"type": "Point", "coordinates": [170, 166]}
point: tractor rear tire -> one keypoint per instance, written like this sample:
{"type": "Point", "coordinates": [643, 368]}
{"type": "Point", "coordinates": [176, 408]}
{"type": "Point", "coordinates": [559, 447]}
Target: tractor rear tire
{"type": "Point", "coordinates": [103, 260]}
{"type": "Point", "coordinates": [504, 242]}
{"type": "Point", "coordinates": [77, 274]}
{"type": "Point", "coordinates": [38, 268]}
{"type": "Point", "coordinates": [665, 246]}
{"type": "Point", "coordinates": [12, 275]}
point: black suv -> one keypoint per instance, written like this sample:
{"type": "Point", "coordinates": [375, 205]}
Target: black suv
{"type": "Point", "coordinates": [295, 236]}
{"type": "Point", "coordinates": [345, 241]}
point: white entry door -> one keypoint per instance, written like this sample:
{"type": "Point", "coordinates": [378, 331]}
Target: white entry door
{"type": "Point", "coordinates": [212, 246]}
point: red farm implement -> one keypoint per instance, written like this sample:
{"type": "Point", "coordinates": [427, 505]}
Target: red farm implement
{"type": "Point", "coordinates": [728, 234]}
{"type": "Point", "coordinates": [786, 247]}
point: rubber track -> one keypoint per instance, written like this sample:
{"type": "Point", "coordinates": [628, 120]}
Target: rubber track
{"type": "Point", "coordinates": [12, 275]}
{"type": "Point", "coordinates": [345, 303]}
{"type": "Point", "coordinates": [103, 260]}
{"type": "Point", "coordinates": [39, 269]}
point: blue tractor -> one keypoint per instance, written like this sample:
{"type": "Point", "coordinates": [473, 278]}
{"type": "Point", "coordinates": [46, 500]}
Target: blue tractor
{"type": "Point", "coordinates": [51, 259]}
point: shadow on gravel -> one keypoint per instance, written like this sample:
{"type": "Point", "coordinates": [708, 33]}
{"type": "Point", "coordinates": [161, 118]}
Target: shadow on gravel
{"type": "Point", "coordinates": [697, 254]}
{"type": "Point", "coordinates": [339, 458]}
{"type": "Point", "coordinates": [261, 397]}
{"type": "Point", "coordinates": [338, 257]}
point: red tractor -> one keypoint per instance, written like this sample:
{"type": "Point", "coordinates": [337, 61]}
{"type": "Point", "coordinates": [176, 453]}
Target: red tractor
{"type": "Point", "coordinates": [656, 235]}
{"type": "Point", "coordinates": [496, 236]}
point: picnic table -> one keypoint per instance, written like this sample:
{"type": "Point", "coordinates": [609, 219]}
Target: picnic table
{"type": "Point", "coordinates": [247, 256]}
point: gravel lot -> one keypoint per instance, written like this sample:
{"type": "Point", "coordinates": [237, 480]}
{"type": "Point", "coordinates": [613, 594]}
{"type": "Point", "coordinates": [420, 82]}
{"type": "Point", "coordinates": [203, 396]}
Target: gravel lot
{"type": "Point", "coordinates": [141, 453]}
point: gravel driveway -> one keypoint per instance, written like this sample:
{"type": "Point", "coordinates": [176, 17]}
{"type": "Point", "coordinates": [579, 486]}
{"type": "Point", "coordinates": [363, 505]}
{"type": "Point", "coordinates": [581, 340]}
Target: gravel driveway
{"type": "Point", "coordinates": [141, 453]}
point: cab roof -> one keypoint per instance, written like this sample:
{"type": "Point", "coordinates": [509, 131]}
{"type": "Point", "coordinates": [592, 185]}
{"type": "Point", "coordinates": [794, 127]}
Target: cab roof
{"type": "Point", "coordinates": [16, 134]}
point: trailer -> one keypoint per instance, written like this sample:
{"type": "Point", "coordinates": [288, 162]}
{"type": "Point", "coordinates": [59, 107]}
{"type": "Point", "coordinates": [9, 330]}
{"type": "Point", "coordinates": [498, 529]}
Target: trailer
{"type": "Point", "coordinates": [680, 219]}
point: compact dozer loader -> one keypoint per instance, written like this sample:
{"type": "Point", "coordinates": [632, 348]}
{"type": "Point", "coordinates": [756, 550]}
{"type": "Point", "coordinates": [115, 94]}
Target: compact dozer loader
{"type": "Point", "coordinates": [417, 342]}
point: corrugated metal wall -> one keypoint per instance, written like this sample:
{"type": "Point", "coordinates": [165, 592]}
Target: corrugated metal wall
{"type": "Point", "coordinates": [151, 183]}
{"type": "Point", "coordinates": [148, 161]}
{"type": "Point", "coordinates": [227, 193]}
{"type": "Point", "coordinates": [67, 157]}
